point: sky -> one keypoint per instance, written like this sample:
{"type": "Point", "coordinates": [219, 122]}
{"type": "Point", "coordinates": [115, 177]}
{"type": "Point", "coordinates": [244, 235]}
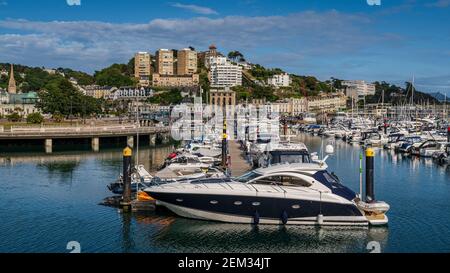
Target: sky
{"type": "Point", "coordinates": [347, 39]}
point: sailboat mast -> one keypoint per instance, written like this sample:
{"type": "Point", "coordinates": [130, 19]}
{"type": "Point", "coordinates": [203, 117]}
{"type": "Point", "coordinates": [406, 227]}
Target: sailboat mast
{"type": "Point", "coordinates": [412, 94]}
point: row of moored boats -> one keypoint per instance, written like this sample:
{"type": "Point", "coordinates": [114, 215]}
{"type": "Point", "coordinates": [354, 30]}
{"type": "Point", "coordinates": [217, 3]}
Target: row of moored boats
{"type": "Point", "coordinates": [427, 138]}
{"type": "Point", "coordinates": [288, 185]}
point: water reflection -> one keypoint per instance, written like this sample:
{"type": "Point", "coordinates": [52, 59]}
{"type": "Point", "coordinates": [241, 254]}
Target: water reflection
{"type": "Point", "coordinates": [40, 215]}
{"type": "Point", "coordinates": [62, 168]}
{"type": "Point", "coordinates": [127, 236]}
{"type": "Point", "coordinates": [184, 235]}
{"type": "Point", "coordinates": [67, 162]}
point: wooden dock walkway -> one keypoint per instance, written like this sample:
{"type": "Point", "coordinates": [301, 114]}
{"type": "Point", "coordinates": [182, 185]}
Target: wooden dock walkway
{"type": "Point", "coordinates": [239, 164]}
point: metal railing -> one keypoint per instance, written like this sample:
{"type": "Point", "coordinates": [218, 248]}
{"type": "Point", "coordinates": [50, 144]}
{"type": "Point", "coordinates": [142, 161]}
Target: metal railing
{"type": "Point", "coordinates": [83, 130]}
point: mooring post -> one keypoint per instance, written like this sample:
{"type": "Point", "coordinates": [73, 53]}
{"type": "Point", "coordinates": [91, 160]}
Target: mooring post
{"type": "Point", "coordinates": [370, 193]}
{"type": "Point", "coordinates": [126, 197]}
{"type": "Point", "coordinates": [95, 144]}
{"type": "Point", "coordinates": [448, 134]}
{"type": "Point", "coordinates": [224, 142]}
{"type": "Point", "coordinates": [48, 145]}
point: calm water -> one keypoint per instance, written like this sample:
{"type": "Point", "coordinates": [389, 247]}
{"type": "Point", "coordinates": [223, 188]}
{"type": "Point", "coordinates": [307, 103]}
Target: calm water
{"type": "Point", "coordinates": [49, 200]}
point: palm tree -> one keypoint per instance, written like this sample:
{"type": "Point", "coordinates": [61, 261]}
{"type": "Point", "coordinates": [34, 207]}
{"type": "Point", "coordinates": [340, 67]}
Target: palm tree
{"type": "Point", "coordinates": [235, 56]}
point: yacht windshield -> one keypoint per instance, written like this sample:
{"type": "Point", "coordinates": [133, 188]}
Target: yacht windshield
{"type": "Point", "coordinates": [247, 177]}
{"type": "Point", "coordinates": [294, 158]}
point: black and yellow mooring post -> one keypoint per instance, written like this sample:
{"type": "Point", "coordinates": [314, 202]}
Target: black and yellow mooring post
{"type": "Point", "coordinates": [224, 143]}
{"type": "Point", "coordinates": [370, 193]}
{"type": "Point", "coordinates": [126, 197]}
{"type": "Point", "coordinates": [285, 127]}
{"type": "Point", "coordinates": [448, 134]}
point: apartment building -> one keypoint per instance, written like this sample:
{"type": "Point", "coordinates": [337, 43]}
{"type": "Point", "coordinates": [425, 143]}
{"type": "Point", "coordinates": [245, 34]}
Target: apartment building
{"type": "Point", "coordinates": [131, 93]}
{"type": "Point", "coordinates": [97, 91]}
{"type": "Point", "coordinates": [223, 73]}
{"type": "Point", "coordinates": [165, 62]}
{"type": "Point", "coordinates": [186, 62]}
{"type": "Point", "coordinates": [292, 106]}
{"type": "Point", "coordinates": [175, 80]}
{"type": "Point", "coordinates": [281, 80]}
{"type": "Point", "coordinates": [143, 68]}
{"type": "Point", "coordinates": [358, 89]}
{"type": "Point", "coordinates": [327, 103]}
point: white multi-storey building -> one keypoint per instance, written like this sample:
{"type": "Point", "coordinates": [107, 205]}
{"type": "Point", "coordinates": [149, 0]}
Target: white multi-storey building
{"type": "Point", "coordinates": [143, 68]}
{"type": "Point", "coordinates": [292, 106]}
{"type": "Point", "coordinates": [223, 73]}
{"type": "Point", "coordinates": [281, 80]}
{"type": "Point", "coordinates": [130, 93]}
{"type": "Point", "coordinates": [327, 103]}
{"type": "Point", "coordinates": [358, 89]}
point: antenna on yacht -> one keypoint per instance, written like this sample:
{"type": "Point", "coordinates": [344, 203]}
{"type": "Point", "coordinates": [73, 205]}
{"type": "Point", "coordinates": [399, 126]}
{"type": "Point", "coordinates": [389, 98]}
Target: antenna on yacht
{"type": "Point", "coordinates": [360, 174]}
{"type": "Point", "coordinates": [137, 144]}
{"type": "Point", "coordinates": [321, 149]}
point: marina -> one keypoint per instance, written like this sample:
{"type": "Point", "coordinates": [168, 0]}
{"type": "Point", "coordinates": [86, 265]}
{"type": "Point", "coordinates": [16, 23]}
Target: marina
{"type": "Point", "coordinates": [214, 135]}
{"type": "Point", "coordinates": [64, 198]}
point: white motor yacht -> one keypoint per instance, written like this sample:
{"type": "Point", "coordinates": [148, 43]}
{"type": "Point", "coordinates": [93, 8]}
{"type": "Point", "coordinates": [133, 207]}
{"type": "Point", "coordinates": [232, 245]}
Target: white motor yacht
{"type": "Point", "coordinates": [298, 194]}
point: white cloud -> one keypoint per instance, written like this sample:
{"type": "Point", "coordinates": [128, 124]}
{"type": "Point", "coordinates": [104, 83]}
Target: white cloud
{"type": "Point", "coordinates": [73, 2]}
{"type": "Point", "coordinates": [195, 9]}
{"type": "Point", "coordinates": [89, 45]}
{"type": "Point", "coordinates": [439, 4]}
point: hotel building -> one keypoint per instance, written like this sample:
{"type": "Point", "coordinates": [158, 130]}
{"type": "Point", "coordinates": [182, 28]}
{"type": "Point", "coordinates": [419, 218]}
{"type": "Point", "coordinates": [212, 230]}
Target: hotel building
{"type": "Point", "coordinates": [223, 73]}
{"type": "Point", "coordinates": [143, 68]}
{"type": "Point", "coordinates": [165, 62]}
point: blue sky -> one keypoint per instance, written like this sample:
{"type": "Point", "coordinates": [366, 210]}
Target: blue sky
{"type": "Point", "coordinates": [346, 39]}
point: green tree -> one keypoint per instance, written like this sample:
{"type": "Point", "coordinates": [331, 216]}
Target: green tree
{"type": "Point", "coordinates": [236, 56]}
{"type": "Point", "coordinates": [116, 75]}
{"type": "Point", "coordinates": [264, 92]}
{"type": "Point", "coordinates": [262, 74]}
{"type": "Point", "coordinates": [130, 68]}
{"type": "Point", "coordinates": [14, 117]}
{"type": "Point", "coordinates": [166, 98]}
{"type": "Point", "coordinates": [204, 83]}
{"type": "Point", "coordinates": [57, 117]}
{"type": "Point", "coordinates": [35, 118]}
{"type": "Point", "coordinates": [60, 97]}
{"type": "Point", "coordinates": [81, 77]}
{"type": "Point", "coordinates": [242, 93]}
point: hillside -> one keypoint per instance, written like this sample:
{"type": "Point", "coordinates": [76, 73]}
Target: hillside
{"type": "Point", "coordinates": [439, 96]}
{"type": "Point", "coordinates": [399, 95]}
{"type": "Point", "coordinates": [35, 78]}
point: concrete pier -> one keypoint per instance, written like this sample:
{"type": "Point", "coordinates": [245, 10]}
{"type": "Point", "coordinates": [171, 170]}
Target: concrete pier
{"type": "Point", "coordinates": [92, 133]}
{"type": "Point", "coordinates": [152, 140]}
{"type": "Point", "coordinates": [239, 164]}
{"type": "Point", "coordinates": [95, 144]}
{"type": "Point", "coordinates": [130, 141]}
{"type": "Point", "coordinates": [165, 138]}
{"type": "Point", "coordinates": [48, 145]}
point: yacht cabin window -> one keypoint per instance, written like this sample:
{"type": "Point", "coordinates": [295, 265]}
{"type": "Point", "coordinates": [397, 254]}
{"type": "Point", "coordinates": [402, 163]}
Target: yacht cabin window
{"type": "Point", "coordinates": [282, 180]}
{"type": "Point", "coordinates": [247, 177]}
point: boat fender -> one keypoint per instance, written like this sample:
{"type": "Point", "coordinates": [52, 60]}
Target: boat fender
{"type": "Point", "coordinates": [256, 218]}
{"type": "Point", "coordinates": [320, 219]}
{"type": "Point", "coordinates": [284, 218]}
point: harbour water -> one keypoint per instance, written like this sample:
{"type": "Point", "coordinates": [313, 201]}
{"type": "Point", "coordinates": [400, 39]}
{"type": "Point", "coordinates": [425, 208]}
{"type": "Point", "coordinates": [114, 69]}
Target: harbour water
{"type": "Point", "coordinates": [50, 200]}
